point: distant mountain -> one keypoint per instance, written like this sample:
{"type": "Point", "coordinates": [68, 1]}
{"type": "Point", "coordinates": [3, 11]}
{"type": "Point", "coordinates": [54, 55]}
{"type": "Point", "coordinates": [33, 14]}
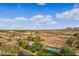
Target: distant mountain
{"type": "Point", "coordinates": [74, 28]}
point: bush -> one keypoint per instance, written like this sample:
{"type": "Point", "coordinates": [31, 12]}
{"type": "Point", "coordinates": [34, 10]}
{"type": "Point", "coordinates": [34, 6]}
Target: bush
{"type": "Point", "coordinates": [68, 51]}
{"type": "Point", "coordinates": [22, 43]}
{"type": "Point", "coordinates": [42, 53]}
{"type": "Point", "coordinates": [30, 38]}
{"type": "Point", "coordinates": [37, 39]}
{"type": "Point", "coordinates": [35, 47]}
{"type": "Point", "coordinates": [9, 49]}
{"type": "Point", "coordinates": [70, 41]}
{"type": "Point", "coordinates": [46, 53]}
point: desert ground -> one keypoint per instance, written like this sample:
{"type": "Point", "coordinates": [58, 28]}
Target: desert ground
{"type": "Point", "coordinates": [52, 38]}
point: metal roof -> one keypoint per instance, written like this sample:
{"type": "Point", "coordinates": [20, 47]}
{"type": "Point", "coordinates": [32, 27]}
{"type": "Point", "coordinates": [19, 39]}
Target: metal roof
{"type": "Point", "coordinates": [53, 50]}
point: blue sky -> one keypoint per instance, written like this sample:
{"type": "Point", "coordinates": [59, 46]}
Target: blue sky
{"type": "Point", "coordinates": [39, 15]}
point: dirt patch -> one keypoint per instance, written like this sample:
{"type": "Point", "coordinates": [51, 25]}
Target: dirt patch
{"type": "Point", "coordinates": [77, 52]}
{"type": "Point", "coordinates": [54, 41]}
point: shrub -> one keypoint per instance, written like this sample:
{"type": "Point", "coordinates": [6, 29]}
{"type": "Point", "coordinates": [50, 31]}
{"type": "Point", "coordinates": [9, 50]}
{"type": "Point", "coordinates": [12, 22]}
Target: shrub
{"type": "Point", "coordinates": [68, 51]}
{"type": "Point", "coordinates": [35, 47]}
{"type": "Point", "coordinates": [22, 43]}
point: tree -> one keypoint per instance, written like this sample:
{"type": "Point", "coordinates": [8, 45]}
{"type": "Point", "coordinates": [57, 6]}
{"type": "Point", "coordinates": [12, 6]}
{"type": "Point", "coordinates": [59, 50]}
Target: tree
{"type": "Point", "coordinates": [14, 49]}
{"type": "Point", "coordinates": [73, 41]}
{"type": "Point", "coordinates": [43, 53]}
{"type": "Point", "coordinates": [9, 50]}
{"type": "Point", "coordinates": [22, 43]}
{"type": "Point", "coordinates": [68, 51]}
{"type": "Point", "coordinates": [37, 39]}
{"type": "Point", "coordinates": [0, 44]}
{"type": "Point", "coordinates": [70, 40]}
{"type": "Point", "coordinates": [35, 47]}
{"type": "Point", "coordinates": [77, 40]}
{"type": "Point", "coordinates": [77, 37]}
{"type": "Point", "coordinates": [30, 38]}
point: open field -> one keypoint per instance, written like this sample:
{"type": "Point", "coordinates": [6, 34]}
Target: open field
{"type": "Point", "coordinates": [52, 38]}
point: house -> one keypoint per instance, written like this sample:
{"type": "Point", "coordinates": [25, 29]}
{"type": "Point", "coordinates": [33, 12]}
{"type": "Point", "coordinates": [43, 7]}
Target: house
{"type": "Point", "coordinates": [30, 43]}
{"type": "Point", "coordinates": [53, 50]}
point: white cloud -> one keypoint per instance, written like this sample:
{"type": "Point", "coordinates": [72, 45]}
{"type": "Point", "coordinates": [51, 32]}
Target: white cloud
{"type": "Point", "coordinates": [35, 19]}
{"type": "Point", "coordinates": [13, 23]}
{"type": "Point", "coordinates": [20, 19]}
{"type": "Point", "coordinates": [48, 17]}
{"type": "Point", "coordinates": [5, 20]}
{"type": "Point", "coordinates": [38, 17]}
{"type": "Point", "coordinates": [41, 20]}
{"type": "Point", "coordinates": [17, 19]}
{"type": "Point", "coordinates": [52, 22]}
{"type": "Point", "coordinates": [70, 14]}
{"type": "Point", "coordinates": [42, 17]}
{"type": "Point", "coordinates": [35, 22]}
